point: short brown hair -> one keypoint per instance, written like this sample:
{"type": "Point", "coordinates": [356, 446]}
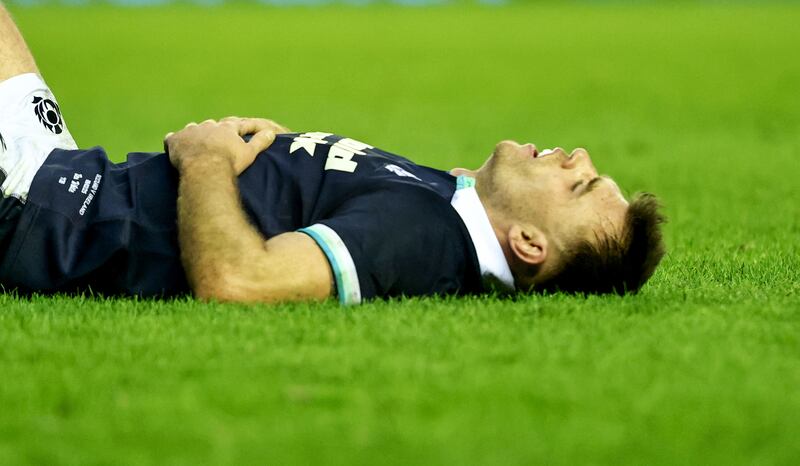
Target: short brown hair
{"type": "Point", "coordinates": [615, 265]}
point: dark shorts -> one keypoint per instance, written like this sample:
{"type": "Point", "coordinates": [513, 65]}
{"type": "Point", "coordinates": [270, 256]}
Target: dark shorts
{"type": "Point", "coordinates": [89, 224]}
{"type": "Point", "coordinates": [10, 211]}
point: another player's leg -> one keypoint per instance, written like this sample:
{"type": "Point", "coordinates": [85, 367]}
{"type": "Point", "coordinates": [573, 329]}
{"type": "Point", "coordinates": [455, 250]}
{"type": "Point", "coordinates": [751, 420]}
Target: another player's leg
{"type": "Point", "coordinates": [15, 58]}
{"type": "Point", "coordinates": [31, 125]}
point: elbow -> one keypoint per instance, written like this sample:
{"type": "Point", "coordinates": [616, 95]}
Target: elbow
{"type": "Point", "coordinates": [223, 286]}
{"type": "Point", "coordinates": [209, 291]}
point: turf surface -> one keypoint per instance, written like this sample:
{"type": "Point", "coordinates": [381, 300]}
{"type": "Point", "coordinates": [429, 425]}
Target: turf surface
{"type": "Point", "coordinates": [698, 104]}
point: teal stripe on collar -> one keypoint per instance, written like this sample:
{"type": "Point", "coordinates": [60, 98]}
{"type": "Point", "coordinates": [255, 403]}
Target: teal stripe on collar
{"type": "Point", "coordinates": [465, 181]}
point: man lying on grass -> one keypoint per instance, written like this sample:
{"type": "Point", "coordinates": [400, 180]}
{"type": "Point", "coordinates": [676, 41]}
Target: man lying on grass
{"type": "Point", "coordinates": [242, 210]}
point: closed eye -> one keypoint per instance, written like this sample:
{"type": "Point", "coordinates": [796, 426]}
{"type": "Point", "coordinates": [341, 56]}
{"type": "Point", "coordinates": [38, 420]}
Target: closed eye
{"type": "Point", "coordinates": [589, 186]}
{"type": "Point", "coordinates": [592, 184]}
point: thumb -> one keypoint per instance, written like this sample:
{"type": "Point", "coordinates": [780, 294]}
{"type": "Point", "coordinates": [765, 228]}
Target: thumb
{"type": "Point", "coordinates": [166, 142]}
{"type": "Point", "coordinates": [261, 140]}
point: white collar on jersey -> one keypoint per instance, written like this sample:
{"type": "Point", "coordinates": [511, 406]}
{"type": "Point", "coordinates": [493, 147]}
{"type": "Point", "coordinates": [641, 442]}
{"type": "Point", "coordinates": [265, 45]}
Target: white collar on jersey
{"type": "Point", "coordinates": [494, 267]}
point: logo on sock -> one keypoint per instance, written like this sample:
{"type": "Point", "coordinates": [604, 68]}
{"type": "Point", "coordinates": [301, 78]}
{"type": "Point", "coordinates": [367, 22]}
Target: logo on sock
{"type": "Point", "coordinates": [49, 114]}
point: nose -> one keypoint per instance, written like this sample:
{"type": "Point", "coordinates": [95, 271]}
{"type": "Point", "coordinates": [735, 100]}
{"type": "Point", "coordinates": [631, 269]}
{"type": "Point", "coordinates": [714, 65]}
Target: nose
{"type": "Point", "coordinates": [579, 158]}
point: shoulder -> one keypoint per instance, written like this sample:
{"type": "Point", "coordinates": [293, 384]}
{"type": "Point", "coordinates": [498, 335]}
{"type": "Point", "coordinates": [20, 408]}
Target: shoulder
{"type": "Point", "coordinates": [403, 241]}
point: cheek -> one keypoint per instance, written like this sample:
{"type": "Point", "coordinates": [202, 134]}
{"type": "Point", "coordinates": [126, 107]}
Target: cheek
{"type": "Point", "coordinates": [567, 226]}
{"type": "Point", "coordinates": [532, 202]}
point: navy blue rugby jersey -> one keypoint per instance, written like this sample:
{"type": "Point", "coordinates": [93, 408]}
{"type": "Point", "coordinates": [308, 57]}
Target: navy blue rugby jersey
{"type": "Point", "coordinates": [384, 223]}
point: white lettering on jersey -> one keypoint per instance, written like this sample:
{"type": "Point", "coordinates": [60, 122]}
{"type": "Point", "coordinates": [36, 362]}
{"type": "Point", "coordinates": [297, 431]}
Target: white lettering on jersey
{"type": "Point", "coordinates": [401, 171]}
{"type": "Point", "coordinates": [353, 145]}
{"type": "Point", "coordinates": [86, 185]}
{"type": "Point", "coordinates": [339, 159]}
{"type": "Point", "coordinates": [91, 195]}
{"type": "Point", "coordinates": [308, 142]}
{"type": "Point", "coordinates": [341, 154]}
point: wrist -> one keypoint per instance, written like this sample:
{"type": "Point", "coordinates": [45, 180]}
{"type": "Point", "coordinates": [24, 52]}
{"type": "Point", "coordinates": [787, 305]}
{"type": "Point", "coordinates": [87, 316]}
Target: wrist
{"type": "Point", "coordinates": [214, 162]}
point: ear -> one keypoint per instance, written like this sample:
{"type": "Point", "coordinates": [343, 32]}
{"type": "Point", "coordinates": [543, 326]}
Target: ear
{"type": "Point", "coordinates": [528, 244]}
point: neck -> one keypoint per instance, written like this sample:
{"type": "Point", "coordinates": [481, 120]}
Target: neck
{"type": "Point", "coordinates": [498, 225]}
{"type": "Point", "coordinates": [500, 231]}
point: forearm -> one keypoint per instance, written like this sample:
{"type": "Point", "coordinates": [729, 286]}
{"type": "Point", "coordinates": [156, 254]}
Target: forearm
{"type": "Point", "coordinates": [215, 236]}
{"type": "Point", "coordinates": [225, 257]}
{"type": "Point", "coordinates": [15, 57]}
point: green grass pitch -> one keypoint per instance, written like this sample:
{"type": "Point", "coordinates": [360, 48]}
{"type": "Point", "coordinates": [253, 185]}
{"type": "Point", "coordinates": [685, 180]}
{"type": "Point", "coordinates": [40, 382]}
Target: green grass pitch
{"type": "Point", "coordinates": [699, 104]}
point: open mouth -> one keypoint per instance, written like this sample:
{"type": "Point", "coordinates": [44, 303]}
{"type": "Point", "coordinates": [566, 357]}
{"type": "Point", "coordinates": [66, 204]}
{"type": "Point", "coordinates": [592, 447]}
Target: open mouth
{"type": "Point", "coordinates": [537, 155]}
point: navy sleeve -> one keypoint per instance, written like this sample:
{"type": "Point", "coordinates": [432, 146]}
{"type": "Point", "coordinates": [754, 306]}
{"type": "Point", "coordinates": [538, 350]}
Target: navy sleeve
{"type": "Point", "coordinates": [396, 242]}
